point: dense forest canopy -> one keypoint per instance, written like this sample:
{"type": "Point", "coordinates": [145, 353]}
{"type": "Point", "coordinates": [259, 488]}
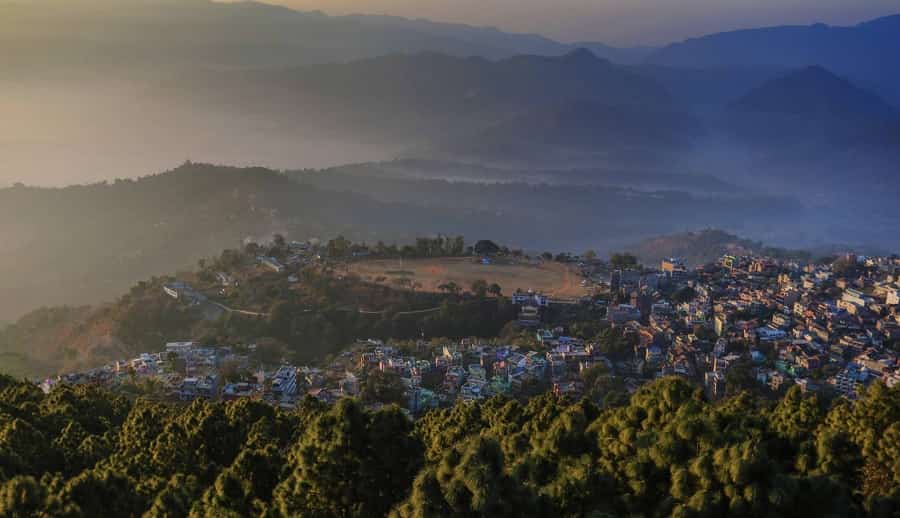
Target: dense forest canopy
{"type": "Point", "coordinates": [82, 452]}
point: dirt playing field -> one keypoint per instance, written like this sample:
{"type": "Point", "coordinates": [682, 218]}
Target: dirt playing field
{"type": "Point", "coordinates": [551, 278]}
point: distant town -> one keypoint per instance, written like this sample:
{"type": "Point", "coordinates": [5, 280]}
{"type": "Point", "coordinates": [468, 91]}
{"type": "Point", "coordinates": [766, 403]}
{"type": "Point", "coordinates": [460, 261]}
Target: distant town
{"type": "Point", "coordinates": [743, 323]}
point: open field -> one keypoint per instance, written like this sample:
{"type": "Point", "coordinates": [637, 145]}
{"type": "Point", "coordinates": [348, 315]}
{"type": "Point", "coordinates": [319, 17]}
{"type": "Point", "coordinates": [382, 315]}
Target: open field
{"type": "Point", "coordinates": [554, 279]}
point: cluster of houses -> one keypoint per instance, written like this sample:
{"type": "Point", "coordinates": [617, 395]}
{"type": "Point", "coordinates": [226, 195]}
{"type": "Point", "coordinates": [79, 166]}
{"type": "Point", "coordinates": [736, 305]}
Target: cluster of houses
{"type": "Point", "coordinates": [432, 375]}
{"type": "Point", "coordinates": [471, 370]}
{"type": "Point", "coordinates": [185, 371]}
{"type": "Point", "coordinates": [782, 323]}
{"type": "Point", "coordinates": [787, 322]}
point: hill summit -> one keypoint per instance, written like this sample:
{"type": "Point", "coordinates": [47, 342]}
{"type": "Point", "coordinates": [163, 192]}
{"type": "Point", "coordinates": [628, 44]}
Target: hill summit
{"type": "Point", "coordinates": [814, 92]}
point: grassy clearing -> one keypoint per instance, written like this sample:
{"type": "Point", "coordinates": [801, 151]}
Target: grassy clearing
{"type": "Point", "coordinates": [555, 279]}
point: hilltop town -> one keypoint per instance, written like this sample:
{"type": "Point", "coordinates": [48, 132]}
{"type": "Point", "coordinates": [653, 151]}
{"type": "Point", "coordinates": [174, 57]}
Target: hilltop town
{"type": "Point", "coordinates": [742, 323]}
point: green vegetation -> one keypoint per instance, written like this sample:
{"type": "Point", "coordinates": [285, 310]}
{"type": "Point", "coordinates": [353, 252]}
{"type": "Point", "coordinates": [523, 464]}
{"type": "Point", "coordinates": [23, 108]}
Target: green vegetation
{"type": "Point", "coordinates": [114, 234]}
{"type": "Point", "coordinates": [623, 261]}
{"type": "Point", "coordinates": [317, 316]}
{"type": "Point", "coordinates": [383, 387]}
{"type": "Point", "coordinates": [82, 452]}
{"type": "Point", "coordinates": [440, 246]}
{"type": "Point", "coordinates": [324, 314]}
{"type": "Point", "coordinates": [685, 294]}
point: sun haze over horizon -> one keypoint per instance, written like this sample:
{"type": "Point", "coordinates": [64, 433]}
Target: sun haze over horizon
{"type": "Point", "coordinates": [636, 22]}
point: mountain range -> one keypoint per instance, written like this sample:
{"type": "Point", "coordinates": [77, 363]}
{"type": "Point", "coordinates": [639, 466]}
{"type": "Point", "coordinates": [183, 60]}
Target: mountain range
{"type": "Point", "coordinates": [48, 35]}
{"type": "Point", "coordinates": [816, 129]}
{"type": "Point", "coordinates": [250, 83]}
{"type": "Point", "coordinates": [576, 109]}
{"type": "Point", "coordinates": [864, 52]}
{"type": "Point", "coordinates": [152, 35]}
{"type": "Point", "coordinates": [85, 244]}
{"type": "Point", "coordinates": [815, 104]}
{"type": "Point", "coordinates": [788, 135]}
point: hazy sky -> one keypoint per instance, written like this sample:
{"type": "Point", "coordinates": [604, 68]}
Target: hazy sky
{"type": "Point", "coordinates": [617, 21]}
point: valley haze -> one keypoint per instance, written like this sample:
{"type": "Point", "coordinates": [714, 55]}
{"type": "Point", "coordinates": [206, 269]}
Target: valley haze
{"type": "Point", "coordinates": [505, 258]}
{"type": "Point", "coordinates": [400, 127]}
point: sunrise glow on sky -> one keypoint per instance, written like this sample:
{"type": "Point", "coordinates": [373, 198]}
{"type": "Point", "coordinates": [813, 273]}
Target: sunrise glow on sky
{"type": "Point", "coordinates": [631, 22]}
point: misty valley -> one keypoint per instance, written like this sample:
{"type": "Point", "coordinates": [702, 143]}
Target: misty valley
{"type": "Point", "coordinates": [270, 262]}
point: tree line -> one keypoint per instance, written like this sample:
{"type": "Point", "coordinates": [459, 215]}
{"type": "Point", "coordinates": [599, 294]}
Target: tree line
{"type": "Point", "coordinates": [80, 451]}
{"type": "Point", "coordinates": [423, 247]}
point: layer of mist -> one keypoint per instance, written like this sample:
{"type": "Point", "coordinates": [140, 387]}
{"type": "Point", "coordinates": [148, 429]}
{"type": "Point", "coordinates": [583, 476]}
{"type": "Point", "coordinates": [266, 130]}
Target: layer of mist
{"type": "Point", "coordinates": [385, 129]}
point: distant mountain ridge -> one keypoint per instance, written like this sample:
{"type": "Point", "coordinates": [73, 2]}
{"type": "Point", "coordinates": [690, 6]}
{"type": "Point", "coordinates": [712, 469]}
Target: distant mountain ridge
{"type": "Point", "coordinates": [148, 35]}
{"type": "Point", "coordinates": [794, 133]}
{"type": "Point", "coordinates": [84, 244]}
{"type": "Point", "coordinates": [865, 52]}
{"type": "Point", "coordinates": [250, 83]}
{"type": "Point", "coordinates": [816, 92]}
{"type": "Point", "coordinates": [433, 77]}
{"type": "Point", "coordinates": [437, 103]}
{"type": "Point", "coordinates": [592, 131]}
{"type": "Point", "coordinates": [821, 113]}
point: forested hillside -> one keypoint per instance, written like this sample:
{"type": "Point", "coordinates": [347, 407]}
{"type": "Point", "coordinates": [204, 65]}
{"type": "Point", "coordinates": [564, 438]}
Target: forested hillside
{"type": "Point", "coordinates": [79, 452]}
{"type": "Point", "coordinates": [310, 319]}
{"type": "Point", "coordinates": [87, 244]}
